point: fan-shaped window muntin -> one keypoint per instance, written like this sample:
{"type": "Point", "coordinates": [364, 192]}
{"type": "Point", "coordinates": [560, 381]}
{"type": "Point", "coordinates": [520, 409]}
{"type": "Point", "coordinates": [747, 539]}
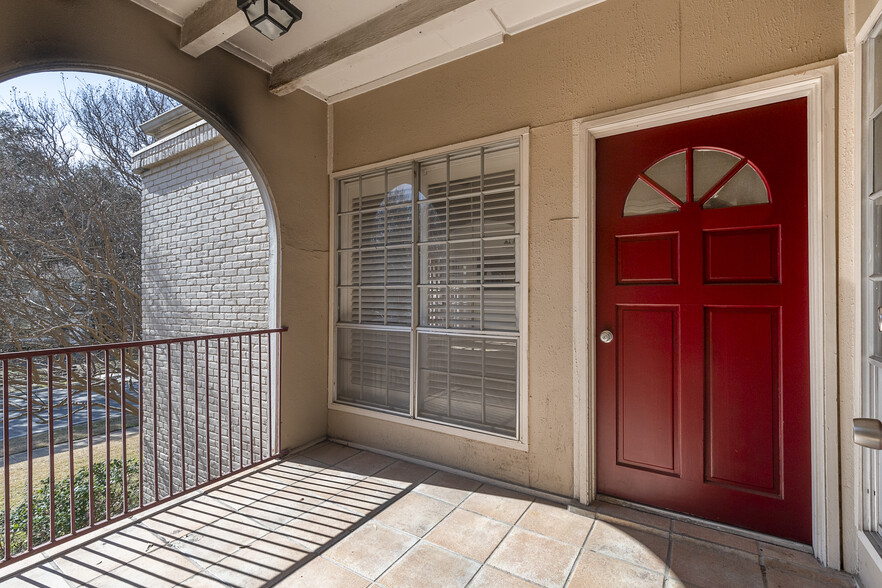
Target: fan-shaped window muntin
{"type": "Point", "coordinates": [719, 179]}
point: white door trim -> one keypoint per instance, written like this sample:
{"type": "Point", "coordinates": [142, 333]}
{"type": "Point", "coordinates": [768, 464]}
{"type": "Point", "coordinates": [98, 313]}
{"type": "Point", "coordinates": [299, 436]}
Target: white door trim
{"type": "Point", "coordinates": [818, 87]}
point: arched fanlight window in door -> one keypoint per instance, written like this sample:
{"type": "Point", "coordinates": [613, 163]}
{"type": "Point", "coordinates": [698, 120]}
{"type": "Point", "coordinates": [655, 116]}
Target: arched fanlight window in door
{"type": "Point", "coordinates": [720, 179]}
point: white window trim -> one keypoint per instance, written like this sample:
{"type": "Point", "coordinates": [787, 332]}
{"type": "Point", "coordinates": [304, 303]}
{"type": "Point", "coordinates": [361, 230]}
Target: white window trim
{"type": "Point", "coordinates": [866, 480]}
{"type": "Point", "coordinates": [519, 443]}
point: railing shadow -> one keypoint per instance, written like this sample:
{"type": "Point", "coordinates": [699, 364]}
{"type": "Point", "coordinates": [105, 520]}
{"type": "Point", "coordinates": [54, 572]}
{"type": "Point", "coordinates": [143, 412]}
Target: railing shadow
{"type": "Point", "coordinates": [255, 530]}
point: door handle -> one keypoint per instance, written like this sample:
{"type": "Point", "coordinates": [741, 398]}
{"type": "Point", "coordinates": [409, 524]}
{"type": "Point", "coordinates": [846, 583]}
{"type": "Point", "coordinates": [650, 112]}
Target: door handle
{"type": "Point", "coordinates": [606, 336]}
{"type": "Point", "coordinates": [868, 433]}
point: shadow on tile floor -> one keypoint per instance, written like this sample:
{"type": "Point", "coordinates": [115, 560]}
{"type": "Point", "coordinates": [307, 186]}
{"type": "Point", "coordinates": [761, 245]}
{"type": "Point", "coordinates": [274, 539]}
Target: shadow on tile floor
{"type": "Point", "coordinates": [335, 517]}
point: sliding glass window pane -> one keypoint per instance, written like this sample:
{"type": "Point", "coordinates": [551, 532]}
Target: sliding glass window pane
{"type": "Point", "coordinates": [433, 220]}
{"type": "Point", "coordinates": [500, 214]}
{"type": "Point", "coordinates": [500, 404]}
{"type": "Point", "coordinates": [502, 164]}
{"type": "Point", "coordinates": [373, 228]}
{"type": "Point", "coordinates": [464, 308]}
{"type": "Point", "coordinates": [500, 309]}
{"type": "Point", "coordinates": [459, 382]}
{"type": "Point", "coordinates": [433, 179]}
{"type": "Point", "coordinates": [466, 399]}
{"type": "Point", "coordinates": [464, 217]}
{"type": "Point", "coordinates": [348, 231]}
{"type": "Point", "coordinates": [433, 307]}
{"type": "Point", "coordinates": [399, 186]}
{"type": "Point", "coordinates": [399, 261]}
{"type": "Point", "coordinates": [434, 396]}
{"type": "Point", "coordinates": [347, 305]}
{"type": "Point", "coordinates": [433, 264]}
{"type": "Point", "coordinates": [467, 356]}
{"type": "Point", "coordinates": [465, 262]}
{"type": "Point", "coordinates": [373, 190]}
{"type": "Point", "coordinates": [500, 261]}
{"type": "Point", "coordinates": [399, 225]}
{"type": "Point", "coordinates": [465, 172]}
{"type": "Point", "coordinates": [373, 368]}
{"type": "Point", "coordinates": [349, 195]}
{"type": "Point", "coordinates": [877, 154]}
{"type": "Point", "coordinates": [398, 305]}
{"type": "Point", "coordinates": [348, 270]}
{"type": "Point", "coordinates": [399, 390]}
{"type": "Point", "coordinates": [373, 306]}
{"type": "Point", "coordinates": [373, 267]}
{"type": "Point", "coordinates": [500, 356]}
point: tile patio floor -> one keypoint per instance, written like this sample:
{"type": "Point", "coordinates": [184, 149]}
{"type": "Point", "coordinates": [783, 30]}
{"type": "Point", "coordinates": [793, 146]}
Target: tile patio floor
{"type": "Point", "coordinates": [338, 517]}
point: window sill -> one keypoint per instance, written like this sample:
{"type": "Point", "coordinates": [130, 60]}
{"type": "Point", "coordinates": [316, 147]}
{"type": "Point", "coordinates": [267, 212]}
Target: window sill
{"type": "Point", "coordinates": [451, 430]}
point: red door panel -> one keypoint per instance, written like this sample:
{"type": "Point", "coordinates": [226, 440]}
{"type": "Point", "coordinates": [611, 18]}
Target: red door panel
{"type": "Point", "coordinates": [703, 402]}
{"type": "Point", "coordinates": [742, 426]}
{"type": "Point", "coordinates": [648, 259]}
{"type": "Point", "coordinates": [744, 256]}
{"type": "Point", "coordinates": [648, 387]}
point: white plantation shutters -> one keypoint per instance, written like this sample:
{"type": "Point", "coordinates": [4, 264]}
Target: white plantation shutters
{"type": "Point", "coordinates": [457, 314]}
{"type": "Point", "coordinates": [375, 289]}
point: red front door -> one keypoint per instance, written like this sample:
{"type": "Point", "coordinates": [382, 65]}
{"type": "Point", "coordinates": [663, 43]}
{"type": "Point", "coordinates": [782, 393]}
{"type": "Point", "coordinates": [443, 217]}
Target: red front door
{"type": "Point", "coordinates": [702, 279]}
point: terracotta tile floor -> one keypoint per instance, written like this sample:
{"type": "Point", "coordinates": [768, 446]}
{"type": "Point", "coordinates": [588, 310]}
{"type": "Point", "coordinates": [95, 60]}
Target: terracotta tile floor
{"type": "Point", "coordinates": [338, 517]}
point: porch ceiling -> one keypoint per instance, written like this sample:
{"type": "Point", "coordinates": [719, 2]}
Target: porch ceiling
{"type": "Point", "coordinates": [347, 47]}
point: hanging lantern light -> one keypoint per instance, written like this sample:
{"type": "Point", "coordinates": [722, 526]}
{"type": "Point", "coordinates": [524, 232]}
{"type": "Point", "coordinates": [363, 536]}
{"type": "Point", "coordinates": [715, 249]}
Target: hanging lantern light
{"type": "Point", "coordinates": [271, 18]}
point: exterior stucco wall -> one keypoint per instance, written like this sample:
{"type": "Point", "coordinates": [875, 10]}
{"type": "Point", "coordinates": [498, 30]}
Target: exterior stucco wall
{"type": "Point", "coordinates": [283, 140]}
{"type": "Point", "coordinates": [618, 54]}
{"type": "Point", "coordinates": [862, 11]}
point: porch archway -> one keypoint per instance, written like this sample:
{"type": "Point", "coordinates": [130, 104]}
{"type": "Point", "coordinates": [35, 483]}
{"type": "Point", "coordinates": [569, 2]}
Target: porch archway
{"type": "Point", "coordinates": [283, 141]}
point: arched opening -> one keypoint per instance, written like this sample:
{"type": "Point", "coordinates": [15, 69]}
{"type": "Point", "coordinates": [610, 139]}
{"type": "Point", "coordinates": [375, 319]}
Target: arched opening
{"type": "Point", "coordinates": [195, 365]}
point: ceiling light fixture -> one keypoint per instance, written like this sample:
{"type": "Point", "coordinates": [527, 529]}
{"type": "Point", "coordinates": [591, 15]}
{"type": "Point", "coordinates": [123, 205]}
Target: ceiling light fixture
{"type": "Point", "coordinates": [271, 18]}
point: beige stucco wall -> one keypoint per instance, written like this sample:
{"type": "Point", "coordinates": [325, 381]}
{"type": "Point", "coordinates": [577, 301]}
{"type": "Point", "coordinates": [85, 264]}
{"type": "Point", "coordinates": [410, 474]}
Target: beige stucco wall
{"type": "Point", "coordinates": [284, 140]}
{"type": "Point", "coordinates": [618, 54]}
{"type": "Point", "coordinates": [862, 11]}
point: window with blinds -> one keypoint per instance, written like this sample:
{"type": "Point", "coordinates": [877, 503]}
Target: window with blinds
{"type": "Point", "coordinates": [428, 289]}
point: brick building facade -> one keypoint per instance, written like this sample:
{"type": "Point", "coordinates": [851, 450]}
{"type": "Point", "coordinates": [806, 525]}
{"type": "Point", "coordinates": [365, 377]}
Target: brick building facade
{"type": "Point", "coordinates": [205, 270]}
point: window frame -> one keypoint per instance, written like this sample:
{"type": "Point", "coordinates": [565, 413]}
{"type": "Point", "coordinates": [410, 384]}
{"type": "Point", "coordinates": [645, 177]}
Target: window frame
{"type": "Point", "coordinates": [520, 441]}
{"type": "Point", "coordinates": [870, 202]}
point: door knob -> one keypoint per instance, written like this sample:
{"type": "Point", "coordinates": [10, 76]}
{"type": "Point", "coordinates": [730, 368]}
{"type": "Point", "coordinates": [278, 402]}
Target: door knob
{"type": "Point", "coordinates": [606, 336]}
{"type": "Point", "coordinates": [868, 433]}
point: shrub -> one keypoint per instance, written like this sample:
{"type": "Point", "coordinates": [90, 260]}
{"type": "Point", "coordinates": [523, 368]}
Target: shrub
{"type": "Point", "coordinates": [18, 518]}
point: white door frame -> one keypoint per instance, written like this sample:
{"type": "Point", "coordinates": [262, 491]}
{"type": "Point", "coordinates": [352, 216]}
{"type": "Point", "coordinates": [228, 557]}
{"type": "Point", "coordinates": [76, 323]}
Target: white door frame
{"type": "Point", "coordinates": [818, 87]}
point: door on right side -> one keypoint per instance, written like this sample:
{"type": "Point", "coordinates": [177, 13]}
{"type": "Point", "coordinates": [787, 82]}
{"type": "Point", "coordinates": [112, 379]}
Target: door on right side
{"type": "Point", "coordinates": [703, 388]}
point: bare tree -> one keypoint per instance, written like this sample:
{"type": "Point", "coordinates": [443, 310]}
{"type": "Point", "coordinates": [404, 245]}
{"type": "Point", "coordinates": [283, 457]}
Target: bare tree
{"type": "Point", "coordinates": [70, 218]}
{"type": "Point", "coordinates": [109, 119]}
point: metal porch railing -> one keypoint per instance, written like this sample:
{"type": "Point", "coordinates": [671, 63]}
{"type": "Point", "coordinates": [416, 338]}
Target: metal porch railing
{"type": "Point", "coordinates": [93, 434]}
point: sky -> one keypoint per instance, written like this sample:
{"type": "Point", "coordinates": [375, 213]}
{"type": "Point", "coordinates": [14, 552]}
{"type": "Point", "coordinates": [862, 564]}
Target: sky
{"type": "Point", "coordinates": [51, 85]}
{"type": "Point", "coordinates": [48, 84]}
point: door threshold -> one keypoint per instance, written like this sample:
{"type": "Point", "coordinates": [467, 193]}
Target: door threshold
{"type": "Point", "coordinates": [722, 527]}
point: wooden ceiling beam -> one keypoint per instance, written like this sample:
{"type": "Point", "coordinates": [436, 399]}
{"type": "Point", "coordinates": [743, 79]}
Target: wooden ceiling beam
{"type": "Point", "coordinates": [287, 76]}
{"type": "Point", "coordinates": [210, 25]}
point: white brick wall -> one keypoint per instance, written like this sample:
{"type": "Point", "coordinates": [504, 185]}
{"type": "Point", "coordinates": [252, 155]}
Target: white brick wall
{"type": "Point", "coordinates": [205, 270]}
